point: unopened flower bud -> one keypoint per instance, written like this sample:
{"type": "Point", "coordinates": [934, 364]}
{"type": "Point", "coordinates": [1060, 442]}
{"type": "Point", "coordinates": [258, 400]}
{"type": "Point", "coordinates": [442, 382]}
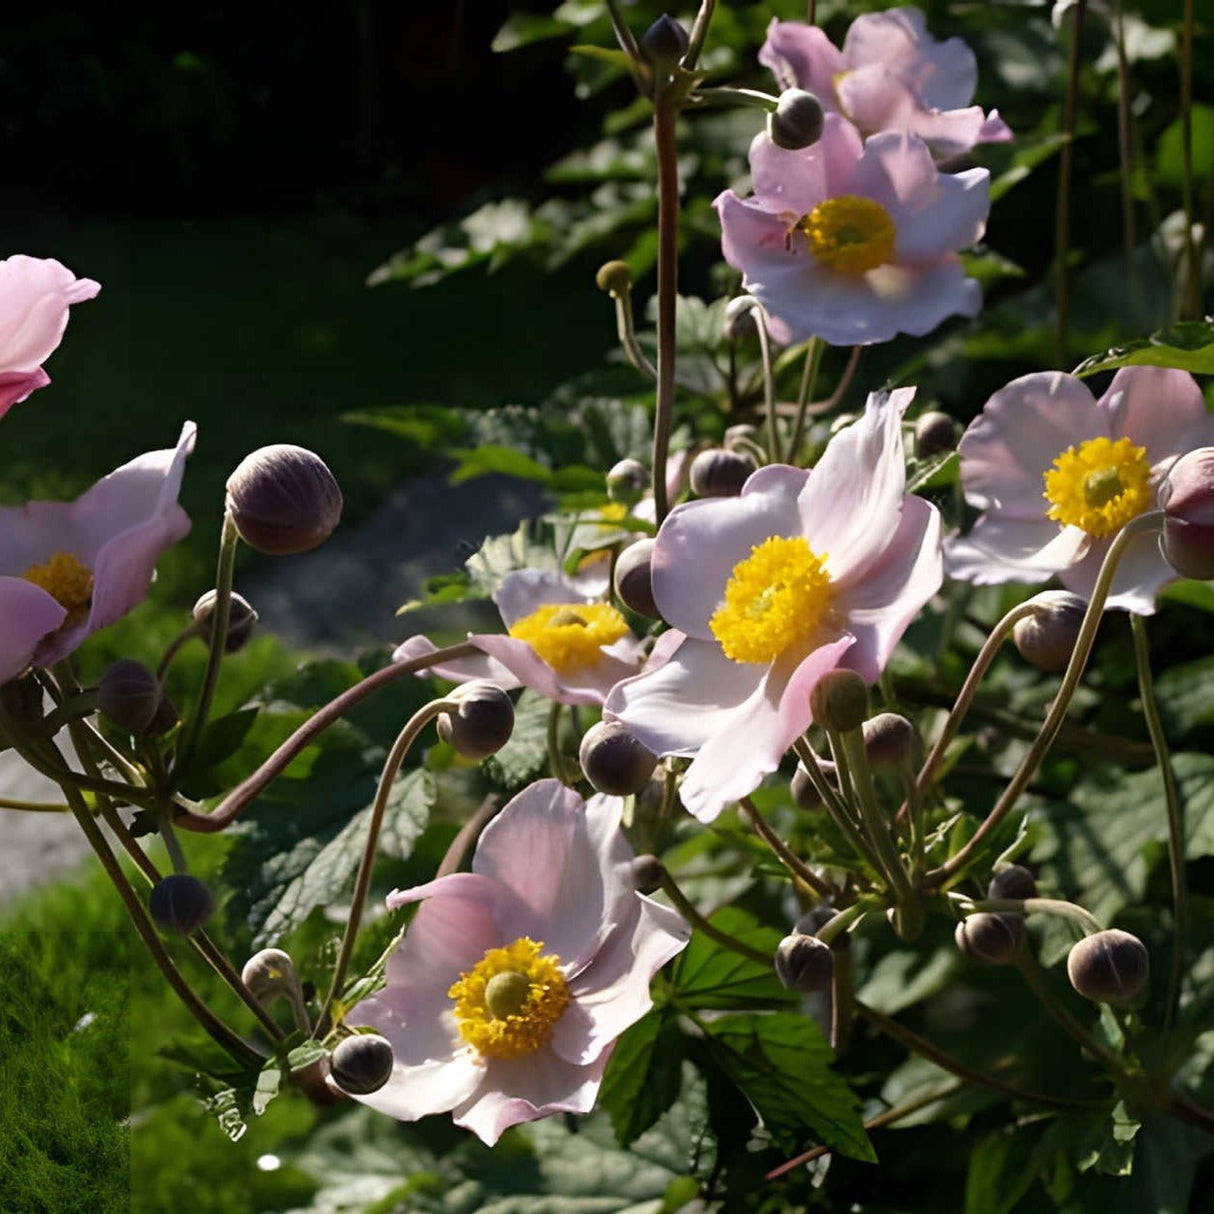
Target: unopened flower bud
{"type": "Point", "coordinates": [627, 481]}
{"type": "Point", "coordinates": [992, 939]}
{"type": "Point", "coordinates": [180, 903]}
{"type": "Point", "coordinates": [1187, 499]}
{"type": "Point", "coordinates": [129, 695]}
{"type": "Point", "coordinates": [739, 317]}
{"type": "Point", "coordinates": [839, 700]}
{"type": "Point", "coordinates": [283, 500]}
{"type": "Point", "coordinates": [720, 473]}
{"type": "Point", "coordinates": [361, 1064]}
{"type": "Point", "coordinates": [804, 792]}
{"type": "Point", "coordinates": [1109, 967]}
{"type": "Point", "coordinates": [482, 722]}
{"type": "Point", "coordinates": [935, 433]}
{"type": "Point", "coordinates": [165, 719]}
{"type": "Point", "coordinates": [1047, 637]}
{"type": "Point", "coordinates": [1014, 881]}
{"type": "Point", "coordinates": [634, 579]}
{"type": "Point", "coordinates": [804, 963]}
{"type": "Point", "coordinates": [647, 874]}
{"type": "Point", "coordinates": [664, 43]}
{"type": "Point", "coordinates": [270, 974]}
{"type": "Point", "coordinates": [615, 278]}
{"type": "Point", "coordinates": [614, 761]}
{"type": "Point", "coordinates": [796, 122]}
{"type": "Point", "coordinates": [889, 740]}
{"type": "Point", "coordinates": [241, 619]}
{"type": "Point", "coordinates": [814, 919]}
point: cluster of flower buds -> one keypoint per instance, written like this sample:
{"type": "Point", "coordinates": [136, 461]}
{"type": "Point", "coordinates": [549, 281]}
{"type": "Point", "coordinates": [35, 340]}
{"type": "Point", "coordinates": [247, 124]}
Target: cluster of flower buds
{"type": "Point", "coordinates": [996, 939]}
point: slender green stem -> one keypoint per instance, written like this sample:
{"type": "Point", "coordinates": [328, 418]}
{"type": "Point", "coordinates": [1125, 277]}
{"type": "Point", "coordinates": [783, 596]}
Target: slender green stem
{"type": "Point", "coordinates": [174, 648]}
{"type": "Point", "coordinates": [809, 380]}
{"type": "Point", "coordinates": [830, 931]}
{"type": "Point", "coordinates": [838, 811]}
{"type": "Point", "coordinates": [468, 834]}
{"type": "Point", "coordinates": [1058, 708]}
{"type": "Point", "coordinates": [624, 35]}
{"type": "Point", "coordinates": [693, 916]}
{"type": "Point", "coordinates": [747, 98]}
{"type": "Point", "coordinates": [842, 995]}
{"type": "Point", "coordinates": [1175, 812]}
{"type": "Point", "coordinates": [1066, 160]}
{"type": "Point", "coordinates": [626, 329]}
{"type": "Point", "coordinates": [699, 31]}
{"type": "Point", "coordinates": [665, 114]}
{"type": "Point", "coordinates": [362, 883]}
{"type": "Point", "coordinates": [769, 385]}
{"type": "Point", "coordinates": [1029, 906]}
{"type": "Point", "coordinates": [1190, 303]}
{"type": "Point", "coordinates": [35, 807]}
{"type": "Point", "coordinates": [799, 869]}
{"type": "Point", "coordinates": [875, 825]}
{"type": "Point", "coordinates": [556, 761]}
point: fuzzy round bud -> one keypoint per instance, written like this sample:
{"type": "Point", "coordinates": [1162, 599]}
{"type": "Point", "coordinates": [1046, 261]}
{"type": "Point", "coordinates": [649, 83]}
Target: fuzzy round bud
{"type": "Point", "coordinates": [889, 740]}
{"type": "Point", "coordinates": [615, 278]}
{"type": "Point", "coordinates": [634, 579]}
{"type": "Point", "coordinates": [128, 695]}
{"type": "Point", "coordinates": [241, 619]}
{"type": "Point", "coordinates": [361, 1064]}
{"type": "Point", "coordinates": [1047, 637]}
{"type": "Point", "coordinates": [627, 481]}
{"type": "Point", "coordinates": [614, 761]}
{"type": "Point", "coordinates": [720, 473]}
{"type": "Point", "coordinates": [1187, 499]}
{"type": "Point", "coordinates": [647, 874]}
{"type": "Point", "coordinates": [664, 43]}
{"type": "Point", "coordinates": [804, 963]}
{"type": "Point", "coordinates": [839, 700]}
{"type": "Point", "coordinates": [739, 317]}
{"type": "Point", "coordinates": [165, 719]}
{"type": "Point", "coordinates": [482, 721]}
{"type": "Point", "coordinates": [1014, 881]}
{"type": "Point", "coordinates": [802, 787]}
{"type": "Point", "coordinates": [283, 500]}
{"type": "Point", "coordinates": [814, 919]}
{"type": "Point", "coordinates": [269, 974]}
{"type": "Point", "coordinates": [1109, 967]}
{"type": "Point", "coordinates": [181, 903]}
{"type": "Point", "coordinates": [796, 122]}
{"type": "Point", "coordinates": [935, 433]}
{"type": "Point", "coordinates": [991, 939]}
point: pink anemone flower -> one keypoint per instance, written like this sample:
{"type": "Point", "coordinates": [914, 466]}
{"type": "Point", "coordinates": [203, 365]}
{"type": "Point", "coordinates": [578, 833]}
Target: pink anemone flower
{"type": "Point", "coordinates": [1058, 473]}
{"type": "Point", "coordinates": [35, 294]}
{"type": "Point", "coordinates": [854, 243]}
{"type": "Point", "coordinates": [563, 640]}
{"type": "Point", "coordinates": [891, 75]}
{"type": "Point", "coordinates": [767, 592]}
{"type": "Point", "coordinates": [513, 981]}
{"type": "Point", "coordinates": [68, 569]}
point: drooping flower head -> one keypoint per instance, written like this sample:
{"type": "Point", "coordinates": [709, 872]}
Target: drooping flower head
{"type": "Point", "coordinates": [854, 243]}
{"type": "Point", "coordinates": [766, 592]}
{"type": "Point", "coordinates": [68, 569]}
{"type": "Point", "coordinates": [514, 980]}
{"type": "Point", "coordinates": [563, 640]}
{"type": "Point", "coordinates": [35, 294]}
{"type": "Point", "coordinates": [1059, 473]}
{"type": "Point", "coordinates": [891, 75]}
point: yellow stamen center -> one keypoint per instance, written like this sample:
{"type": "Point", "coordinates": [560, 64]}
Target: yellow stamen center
{"type": "Point", "coordinates": [1099, 485]}
{"type": "Point", "coordinates": [850, 234]}
{"type": "Point", "coordinates": [774, 600]}
{"type": "Point", "coordinates": [508, 1002]}
{"type": "Point", "coordinates": [570, 635]}
{"type": "Point", "coordinates": [67, 580]}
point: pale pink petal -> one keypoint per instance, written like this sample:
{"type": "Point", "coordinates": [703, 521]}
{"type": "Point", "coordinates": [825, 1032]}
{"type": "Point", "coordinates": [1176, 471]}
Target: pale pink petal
{"type": "Point", "coordinates": [525, 591]}
{"type": "Point", "coordinates": [15, 386]}
{"type": "Point", "coordinates": [1001, 549]}
{"type": "Point", "coordinates": [1141, 574]}
{"type": "Point", "coordinates": [778, 479]}
{"type": "Point", "coordinates": [27, 614]}
{"type": "Point", "coordinates": [875, 99]}
{"type": "Point", "coordinates": [754, 239]}
{"type": "Point", "coordinates": [802, 56]}
{"type": "Point", "coordinates": [587, 684]}
{"type": "Point", "coordinates": [435, 1086]}
{"type": "Point", "coordinates": [1159, 409]}
{"type": "Point", "coordinates": [994, 129]}
{"type": "Point", "coordinates": [460, 670]}
{"type": "Point", "coordinates": [954, 132]}
{"type": "Point", "coordinates": [794, 182]}
{"type": "Point", "coordinates": [35, 294]}
{"type": "Point", "coordinates": [1022, 429]}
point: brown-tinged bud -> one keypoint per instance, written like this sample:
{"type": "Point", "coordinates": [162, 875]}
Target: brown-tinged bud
{"type": "Point", "coordinates": [270, 974]}
{"type": "Point", "coordinates": [1014, 881]}
{"type": "Point", "coordinates": [1109, 967]}
{"type": "Point", "coordinates": [740, 320]}
{"type": "Point", "coordinates": [647, 874]}
{"type": "Point", "coordinates": [614, 761]}
{"type": "Point", "coordinates": [796, 122]}
{"type": "Point", "coordinates": [804, 963]}
{"type": "Point", "coordinates": [627, 481]}
{"type": "Point", "coordinates": [634, 579]}
{"type": "Point", "coordinates": [991, 939]}
{"type": "Point", "coordinates": [361, 1064]}
{"type": "Point", "coordinates": [935, 433]}
{"type": "Point", "coordinates": [283, 500]}
{"type": "Point", "coordinates": [720, 473]}
{"type": "Point", "coordinates": [166, 718]}
{"type": "Point", "coordinates": [481, 723]}
{"type": "Point", "coordinates": [1187, 499]}
{"type": "Point", "coordinates": [129, 695]}
{"type": "Point", "coordinates": [180, 903]}
{"type": "Point", "coordinates": [241, 619]}
{"type": "Point", "coordinates": [615, 278]}
{"type": "Point", "coordinates": [804, 793]}
{"type": "Point", "coordinates": [814, 919]}
{"type": "Point", "coordinates": [664, 43]}
{"type": "Point", "coordinates": [889, 740]}
{"type": "Point", "coordinates": [1047, 637]}
{"type": "Point", "coordinates": [839, 700]}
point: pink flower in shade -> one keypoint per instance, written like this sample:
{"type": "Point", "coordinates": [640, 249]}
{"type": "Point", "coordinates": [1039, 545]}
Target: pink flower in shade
{"type": "Point", "coordinates": [1059, 473]}
{"type": "Point", "coordinates": [855, 243]}
{"type": "Point", "coordinates": [514, 980]}
{"type": "Point", "coordinates": [766, 592]}
{"type": "Point", "coordinates": [563, 640]}
{"type": "Point", "coordinates": [35, 294]}
{"type": "Point", "coordinates": [70, 568]}
{"type": "Point", "coordinates": [891, 75]}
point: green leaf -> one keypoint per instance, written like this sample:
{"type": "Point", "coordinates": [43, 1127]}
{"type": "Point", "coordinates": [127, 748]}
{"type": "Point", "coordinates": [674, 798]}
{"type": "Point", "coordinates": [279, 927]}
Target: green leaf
{"type": "Point", "coordinates": [709, 975]}
{"type": "Point", "coordinates": [934, 473]}
{"type": "Point", "coordinates": [644, 1075]}
{"type": "Point", "coordinates": [1170, 162]}
{"type": "Point", "coordinates": [905, 976]}
{"type": "Point", "coordinates": [1187, 345]}
{"type": "Point", "coordinates": [303, 1056]}
{"type": "Point", "coordinates": [1030, 153]}
{"type": "Point", "coordinates": [523, 29]}
{"type": "Point", "coordinates": [268, 1083]}
{"type": "Point", "coordinates": [1000, 1170]}
{"type": "Point", "coordinates": [479, 461]}
{"type": "Point", "coordinates": [781, 1064]}
{"type": "Point", "coordinates": [1184, 697]}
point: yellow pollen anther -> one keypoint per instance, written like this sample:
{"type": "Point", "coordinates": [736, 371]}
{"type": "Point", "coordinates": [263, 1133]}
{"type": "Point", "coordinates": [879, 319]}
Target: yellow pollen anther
{"type": "Point", "coordinates": [1099, 485]}
{"type": "Point", "coordinates": [774, 601]}
{"type": "Point", "coordinates": [67, 580]}
{"type": "Point", "coordinates": [570, 635]}
{"type": "Point", "coordinates": [508, 1002]}
{"type": "Point", "coordinates": [850, 234]}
